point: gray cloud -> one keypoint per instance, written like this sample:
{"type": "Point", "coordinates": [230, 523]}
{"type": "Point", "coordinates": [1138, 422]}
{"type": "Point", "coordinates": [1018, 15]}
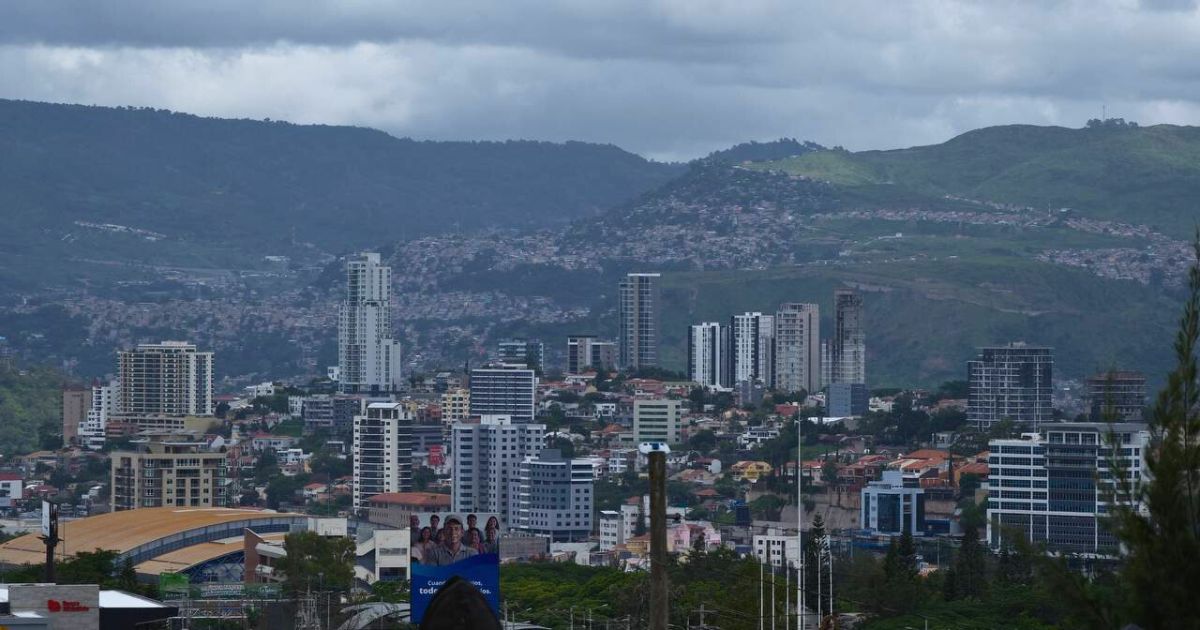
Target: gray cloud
{"type": "Point", "coordinates": [667, 78]}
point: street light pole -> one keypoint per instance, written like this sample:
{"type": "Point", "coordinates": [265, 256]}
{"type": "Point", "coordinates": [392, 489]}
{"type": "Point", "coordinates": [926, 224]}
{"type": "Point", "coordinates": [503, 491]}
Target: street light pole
{"type": "Point", "coordinates": [659, 606]}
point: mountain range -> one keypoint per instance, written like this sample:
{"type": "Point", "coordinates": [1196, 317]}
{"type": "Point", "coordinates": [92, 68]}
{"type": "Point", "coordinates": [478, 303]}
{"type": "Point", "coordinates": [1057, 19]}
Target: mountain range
{"type": "Point", "coordinates": [130, 224]}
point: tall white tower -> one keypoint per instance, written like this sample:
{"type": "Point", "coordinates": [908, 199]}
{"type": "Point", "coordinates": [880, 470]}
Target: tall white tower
{"type": "Point", "coordinates": [368, 357]}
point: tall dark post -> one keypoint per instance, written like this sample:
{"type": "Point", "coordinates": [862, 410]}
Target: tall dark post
{"type": "Point", "coordinates": [50, 537]}
{"type": "Point", "coordinates": [659, 606]}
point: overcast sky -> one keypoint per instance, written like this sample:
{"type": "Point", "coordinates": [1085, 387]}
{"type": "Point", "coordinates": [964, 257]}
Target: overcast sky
{"type": "Point", "coordinates": [670, 79]}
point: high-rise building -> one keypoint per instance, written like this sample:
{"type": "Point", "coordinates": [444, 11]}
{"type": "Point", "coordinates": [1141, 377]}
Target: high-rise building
{"type": "Point", "coordinates": [503, 390]}
{"type": "Point", "coordinates": [1116, 396]}
{"type": "Point", "coordinates": [76, 402]}
{"type": "Point", "coordinates": [168, 474]}
{"type": "Point", "coordinates": [170, 378]}
{"type": "Point", "coordinates": [639, 312]}
{"type": "Point", "coordinates": [531, 354]}
{"type": "Point", "coordinates": [555, 497]}
{"type": "Point", "coordinates": [751, 341]}
{"type": "Point", "coordinates": [368, 358]}
{"type": "Point", "coordinates": [1053, 488]}
{"type": "Point", "coordinates": [708, 348]}
{"type": "Point", "coordinates": [658, 420]}
{"type": "Point", "coordinates": [382, 451]}
{"type": "Point", "coordinates": [487, 460]}
{"type": "Point", "coordinates": [585, 352]}
{"type": "Point", "coordinates": [798, 347]}
{"type": "Point", "coordinates": [1010, 382]}
{"type": "Point", "coordinates": [104, 404]}
{"type": "Point", "coordinates": [847, 348]}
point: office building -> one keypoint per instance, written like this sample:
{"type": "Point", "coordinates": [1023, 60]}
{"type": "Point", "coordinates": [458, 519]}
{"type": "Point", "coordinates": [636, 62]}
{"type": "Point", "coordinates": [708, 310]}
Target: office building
{"type": "Point", "coordinates": [1054, 487]}
{"type": "Point", "coordinates": [586, 352]}
{"type": "Point", "coordinates": [334, 414]}
{"type": "Point", "coordinates": [487, 461]}
{"type": "Point", "coordinates": [798, 348]}
{"type": "Point", "coordinates": [847, 348]}
{"type": "Point", "coordinates": [531, 354]}
{"type": "Point", "coordinates": [503, 390]}
{"type": "Point", "coordinates": [1116, 396]}
{"type": "Point", "coordinates": [847, 399]}
{"type": "Point", "coordinates": [170, 378]}
{"type": "Point", "coordinates": [639, 314]}
{"type": "Point", "coordinates": [893, 505]}
{"type": "Point", "coordinates": [751, 345]}
{"type": "Point", "coordinates": [555, 497]}
{"type": "Point", "coordinates": [708, 363]}
{"type": "Point", "coordinates": [368, 358]}
{"type": "Point", "coordinates": [76, 402]}
{"type": "Point", "coordinates": [456, 405]}
{"type": "Point", "coordinates": [657, 420]}
{"type": "Point", "coordinates": [1010, 382]}
{"type": "Point", "coordinates": [382, 451]}
{"type": "Point", "coordinates": [168, 474]}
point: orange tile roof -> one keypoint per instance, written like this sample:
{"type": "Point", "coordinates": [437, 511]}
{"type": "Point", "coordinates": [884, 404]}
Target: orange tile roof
{"type": "Point", "coordinates": [420, 499]}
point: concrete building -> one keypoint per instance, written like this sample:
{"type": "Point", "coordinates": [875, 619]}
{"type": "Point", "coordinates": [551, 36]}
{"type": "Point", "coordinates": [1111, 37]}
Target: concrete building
{"type": "Point", "coordinates": [1010, 382]}
{"type": "Point", "coordinates": [1116, 396]}
{"type": "Point", "coordinates": [847, 347]}
{"type": "Point", "coordinates": [393, 509]}
{"type": "Point", "coordinates": [639, 320]}
{"type": "Point", "coordinates": [104, 404]}
{"type": "Point", "coordinates": [369, 359]}
{"type": "Point", "coordinates": [504, 390]}
{"type": "Point", "coordinates": [612, 529]}
{"type": "Point", "coordinates": [657, 420]}
{"type": "Point", "coordinates": [586, 352]}
{"type": "Point", "coordinates": [556, 496]}
{"type": "Point", "coordinates": [707, 352]}
{"type": "Point", "coordinates": [76, 402]}
{"type": "Point", "coordinates": [776, 549]}
{"type": "Point", "coordinates": [531, 354]}
{"type": "Point", "coordinates": [456, 405]}
{"type": "Point", "coordinates": [382, 451]}
{"type": "Point", "coordinates": [1053, 487]}
{"type": "Point", "coordinates": [170, 378]}
{"type": "Point", "coordinates": [751, 348]}
{"type": "Point", "coordinates": [798, 348]}
{"type": "Point", "coordinates": [322, 412]}
{"type": "Point", "coordinates": [168, 474]}
{"type": "Point", "coordinates": [893, 505]}
{"type": "Point", "coordinates": [486, 463]}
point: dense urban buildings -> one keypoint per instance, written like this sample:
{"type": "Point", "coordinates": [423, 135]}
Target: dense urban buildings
{"type": "Point", "coordinates": [798, 348]}
{"type": "Point", "coordinates": [555, 498]}
{"type": "Point", "coordinates": [503, 390]}
{"type": "Point", "coordinates": [707, 352]}
{"type": "Point", "coordinates": [1011, 382]}
{"type": "Point", "coordinates": [893, 505]}
{"type": "Point", "coordinates": [848, 348]}
{"type": "Point", "coordinates": [382, 451]}
{"type": "Point", "coordinates": [170, 378]}
{"type": "Point", "coordinates": [639, 320]}
{"type": "Point", "coordinates": [1052, 488]}
{"type": "Point", "coordinates": [168, 474]}
{"type": "Point", "coordinates": [531, 354]}
{"type": "Point", "coordinates": [657, 420]}
{"type": "Point", "coordinates": [369, 359]}
{"type": "Point", "coordinates": [1116, 396]}
{"type": "Point", "coordinates": [487, 460]}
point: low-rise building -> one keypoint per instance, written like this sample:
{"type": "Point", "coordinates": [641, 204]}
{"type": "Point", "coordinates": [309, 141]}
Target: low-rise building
{"type": "Point", "coordinates": [893, 505]}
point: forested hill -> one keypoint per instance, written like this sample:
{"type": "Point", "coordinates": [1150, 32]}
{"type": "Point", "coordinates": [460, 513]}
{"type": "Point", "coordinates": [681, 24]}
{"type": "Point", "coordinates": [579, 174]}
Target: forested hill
{"type": "Point", "coordinates": [262, 185]}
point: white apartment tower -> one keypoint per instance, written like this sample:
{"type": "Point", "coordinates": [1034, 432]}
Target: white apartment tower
{"type": "Point", "coordinates": [639, 311]}
{"type": "Point", "coordinates": [798, 347]}
{"type": "Point", "coordinates": [487, 463]}
{"type": "Point", "coordinates": [368, 358]}
{"type": "Point", "coordinates": [169, 378]}
{"type": "Point", "coordinates": [751, 345]}
{"type": "Point", "coordinates": [382, 451]}
{"type": "Point", "coordinates": [504, 390]}
{"type": "Point", "coordinates": [708, 363]}
{"type": "Point", "coordinates": [555, 497]}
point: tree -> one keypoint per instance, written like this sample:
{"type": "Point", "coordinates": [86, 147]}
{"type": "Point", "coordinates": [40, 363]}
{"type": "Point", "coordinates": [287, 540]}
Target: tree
{"type": "Point", "coordinates": [703, 441]}
{"type": "Point", "coordinates": [970, 567]}
{"type": "Point", "coordinates": [815, 553]}
{"type": "Point", "coordinates": [313, 561]}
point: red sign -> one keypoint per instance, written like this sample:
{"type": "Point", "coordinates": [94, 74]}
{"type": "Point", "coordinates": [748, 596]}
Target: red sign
{"type": "Point", "coordinates": [436, 457]}
{"type": "Point", "coordinates": [54, 605]}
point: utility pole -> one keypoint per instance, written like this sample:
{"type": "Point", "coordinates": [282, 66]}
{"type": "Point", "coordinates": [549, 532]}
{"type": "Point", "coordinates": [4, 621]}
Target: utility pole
{"type": "Point", "coordinates": [800, 603]}
{"type": "Point", "coordinates": [659, 605]}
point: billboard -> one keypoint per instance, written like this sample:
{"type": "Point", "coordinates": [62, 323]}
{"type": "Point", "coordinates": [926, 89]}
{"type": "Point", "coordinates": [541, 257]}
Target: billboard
{"type": "Point", "coordinates": [446, 544]}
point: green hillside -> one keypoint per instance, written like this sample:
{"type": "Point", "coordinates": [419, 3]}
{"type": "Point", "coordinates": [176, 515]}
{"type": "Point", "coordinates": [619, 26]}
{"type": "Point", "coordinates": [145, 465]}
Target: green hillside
{"type": "Point", "coordinates": [1142, 175]}
{"type": "Point", "coordinates": [208, 192]}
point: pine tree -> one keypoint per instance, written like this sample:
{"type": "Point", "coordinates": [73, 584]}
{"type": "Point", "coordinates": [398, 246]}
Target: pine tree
{"type": "Point", "coordinates": [814, 553]}
{"type": "Point", "coordinates": [970, 568]}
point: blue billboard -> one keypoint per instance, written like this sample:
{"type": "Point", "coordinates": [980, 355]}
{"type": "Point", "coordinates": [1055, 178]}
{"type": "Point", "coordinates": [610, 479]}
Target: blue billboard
{"type": "Point", "coordinates": [454, 544]}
